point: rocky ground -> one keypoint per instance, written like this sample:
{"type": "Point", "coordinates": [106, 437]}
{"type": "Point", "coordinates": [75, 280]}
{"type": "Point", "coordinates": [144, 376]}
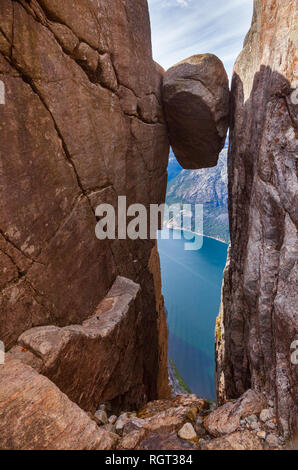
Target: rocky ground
{"type": "Point", "coordinates": [188, 422]}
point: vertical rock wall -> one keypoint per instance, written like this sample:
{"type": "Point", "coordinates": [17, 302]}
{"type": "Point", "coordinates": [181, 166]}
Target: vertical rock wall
{"type": "Point", "coordinates": [259, 312]}
{"type": "Point", "coordinates": [82, 124]}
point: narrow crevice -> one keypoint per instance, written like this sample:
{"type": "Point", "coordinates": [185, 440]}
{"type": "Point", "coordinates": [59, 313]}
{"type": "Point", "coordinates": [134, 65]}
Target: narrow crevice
{"type": "Point", "coordinates": [51, 314]}
{"type": "Point", "coordinates": [15, 246]}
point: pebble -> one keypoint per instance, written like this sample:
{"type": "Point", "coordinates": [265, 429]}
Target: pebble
{"type": "Point", "coordinates": [120, 423]}
{"type": "Point", "coordinates": [251, 419]}
{"type": "Point", "coordinates": [188, 433]}
{"type": "Point", "coordinates": [261, 435]}
{"type": "Point", "coordinates": [113, 419]}
{"type": "Point", "coordinates": [270, 425]}
{"type": "Point", "coordinates": [254, 426]}
{"type": "Point", "coordinates": [101, 416]}
{"type": "Point", "coordinates": [266, 415]}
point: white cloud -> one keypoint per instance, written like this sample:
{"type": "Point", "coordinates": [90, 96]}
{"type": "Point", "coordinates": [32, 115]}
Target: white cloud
{"type": "Point", "coordinates": [214, 26]}
{"type": "Point", "coordinates": [183, 3]}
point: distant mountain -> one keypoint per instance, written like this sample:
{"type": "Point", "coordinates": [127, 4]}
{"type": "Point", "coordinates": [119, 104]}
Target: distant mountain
{"type": "Point", "coordinates": [208, 187]}
{"type": "Point", "coordinates": [174, 168]}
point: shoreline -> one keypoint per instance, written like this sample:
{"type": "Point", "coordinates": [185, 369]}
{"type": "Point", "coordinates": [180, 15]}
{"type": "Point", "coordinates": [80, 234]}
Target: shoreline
{"type": "Point", "coordinates": [198, 234]}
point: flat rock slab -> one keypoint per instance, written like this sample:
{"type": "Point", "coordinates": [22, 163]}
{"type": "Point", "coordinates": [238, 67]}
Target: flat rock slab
{"type": "Point", "coordinates": [36, 415]}
{"type": "Point", "coordinates": [99, 360]}
{"type": "Point", "coordinates": [196, 100]}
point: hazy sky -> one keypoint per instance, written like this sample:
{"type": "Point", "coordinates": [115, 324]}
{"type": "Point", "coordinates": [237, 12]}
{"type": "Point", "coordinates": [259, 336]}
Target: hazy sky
{"type": "Point", "coordinates": [181, 28]}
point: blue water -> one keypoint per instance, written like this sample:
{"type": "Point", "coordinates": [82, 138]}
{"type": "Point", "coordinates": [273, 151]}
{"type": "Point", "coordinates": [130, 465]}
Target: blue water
{"type": "Point", "coordinates": [191, 283]}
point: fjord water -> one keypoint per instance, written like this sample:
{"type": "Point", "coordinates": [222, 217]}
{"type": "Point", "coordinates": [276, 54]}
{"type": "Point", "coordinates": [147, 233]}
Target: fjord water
{"type": "Point", "coordinates": [191, 283]}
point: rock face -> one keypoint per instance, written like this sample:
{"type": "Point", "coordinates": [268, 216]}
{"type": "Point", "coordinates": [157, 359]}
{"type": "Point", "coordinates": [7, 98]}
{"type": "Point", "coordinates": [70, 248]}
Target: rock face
{"type": "Point", "coordinates": [81, 125]}
{"type": "Point", "coordinates": [196, 99]}
{"type": "Point", "coordinates": [36, 415]}
{"type": "Point", "coordinates": [259, 310]}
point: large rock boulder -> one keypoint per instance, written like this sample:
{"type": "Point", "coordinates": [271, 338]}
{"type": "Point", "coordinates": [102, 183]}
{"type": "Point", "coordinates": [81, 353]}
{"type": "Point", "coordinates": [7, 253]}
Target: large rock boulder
{"type": "Point", "coordinates": [102, 359]}
{"type": "Point", "coordinates": [226, 419]}
{"type": "Point", "coordinates": [244, 440]}
{"type": "Point", "coordinates": [196, 99]}
{"type": "Point", "coordinates": [258, 321]}
{"type": "Point", "coordinates": [36, 415]}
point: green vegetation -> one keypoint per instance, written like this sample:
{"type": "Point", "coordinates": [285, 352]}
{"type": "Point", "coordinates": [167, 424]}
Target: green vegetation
{"type": "Point", "coordinates": [180, 379]}
{"type": "Point", "coordinates": [218, 328]}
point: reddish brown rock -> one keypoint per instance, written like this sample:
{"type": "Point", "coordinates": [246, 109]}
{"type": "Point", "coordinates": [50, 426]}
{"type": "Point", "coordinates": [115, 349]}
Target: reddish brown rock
{"type": "Point", "coordinates": [132, 440]}
{"type": "Point", "coordinates": [245, 440]}
{"type": "Point", "coordinates": [259, 311]}
{"type": "Point", "coordinates": [226, 419]}
{"type": "Point", "coordinates": [36, 415]}
{"type": "Point", "coordinates": [170, 419]}
{"type": "Point", "coordinates": [69, 146]}
{"type": "Point", "coordinates": [196, 99]}
{"type": "Point", "coordinates": [101, 360]}
{"type": "Point", "coordinates": [292, 444]}
{"type": "Point", "coordinates": [189, 401]}
{"type": "Point", "coordinates": [187, 433]}
{"type": "Point", "coordinates": [165, 441]}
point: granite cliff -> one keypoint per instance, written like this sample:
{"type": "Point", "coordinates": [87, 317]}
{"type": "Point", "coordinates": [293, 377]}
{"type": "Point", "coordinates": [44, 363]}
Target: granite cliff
{"type": "Point", "coordinates": [258, 321]}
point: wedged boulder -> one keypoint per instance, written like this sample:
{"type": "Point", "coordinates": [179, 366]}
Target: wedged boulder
{"type": "Point", "coordinates": [36, 415]}
{"type": "Point", "coordinates": [226, 419]}
{"type": "Point", "coordinates": [196, 100]}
